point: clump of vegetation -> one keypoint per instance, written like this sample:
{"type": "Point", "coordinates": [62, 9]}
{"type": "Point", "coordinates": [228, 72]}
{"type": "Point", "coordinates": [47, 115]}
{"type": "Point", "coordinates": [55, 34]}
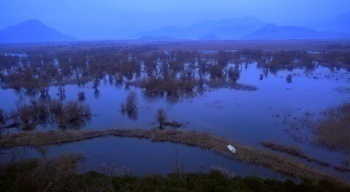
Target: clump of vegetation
{"type": "Point", "coordinates": [292, 150]}
{"type": "Point", "coordinates": [130, 106]}
{"type": "Point", "coordinates": [233, 73]}
{"type": "Point", "coordinates": [81, 96]}
{"type": "Point", "coordinates": [61, 174]}
{"type": "Point", "coordinates": [61, 92]}
{"type": "Point", "coordinates": [28, 116]}
{"type": "Point", "coordinates": [289, 78]}
{"type": "Point", "coordinates": [332, 129]}
{"type": "Point", "coordinates": [329, 128]}
{"type": "Point", "coordinates": [56, 108]}
{"type": "Point", "coordinates": [161, 117]}
{"type": "Point", "coordinates": [48, 175]}
{"type": "Point", "coordinates": [286, 149]}
{"type": "Point", "coordinates": [74, 114]}
{"type": "Point", "coordinates": [2, 116]}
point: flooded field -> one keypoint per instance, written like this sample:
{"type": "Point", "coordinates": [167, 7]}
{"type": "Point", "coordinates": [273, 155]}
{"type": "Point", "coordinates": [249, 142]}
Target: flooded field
{"type": "Point", "coordinates": [258, 104]}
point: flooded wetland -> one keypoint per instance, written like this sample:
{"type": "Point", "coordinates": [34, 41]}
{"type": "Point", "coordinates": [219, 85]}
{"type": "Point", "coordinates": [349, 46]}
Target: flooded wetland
{"type": "Point", "coordinates": [157, 108]}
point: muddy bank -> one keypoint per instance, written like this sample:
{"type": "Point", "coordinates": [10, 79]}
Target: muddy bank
{"type": "Point", "coordinates": [274, 162]}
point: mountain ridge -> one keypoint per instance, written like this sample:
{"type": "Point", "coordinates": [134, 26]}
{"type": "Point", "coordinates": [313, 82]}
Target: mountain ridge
{"type": "Point", "coordinates": [340, 23]}
{"type": "Point", "coordinates": [223, 29]}
{"type": "Point", "coordinates": [271, 31]}
{"type": "Point", "coordinates": [32, 31]}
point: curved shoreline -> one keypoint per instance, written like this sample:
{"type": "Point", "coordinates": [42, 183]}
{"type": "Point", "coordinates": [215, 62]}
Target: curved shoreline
{"type": "Point", "coordinates": [247, 154]}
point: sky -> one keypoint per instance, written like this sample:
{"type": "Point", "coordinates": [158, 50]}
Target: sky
{"type": "Point", "coordinates": [103, 19]}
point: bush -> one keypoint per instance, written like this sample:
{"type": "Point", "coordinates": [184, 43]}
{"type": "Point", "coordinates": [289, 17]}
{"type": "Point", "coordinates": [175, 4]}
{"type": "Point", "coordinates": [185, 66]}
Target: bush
{"type": "Point", "coordinates": [56, 108]}
{"type": "Point", "coordinates": [26, 113]}
{"type": "Point", "coordinates": [2, 116]}
{"type": "Point", "coordinates": [130, 103]}
{"type": "Point", "coordinates": [75, 112]}
{"type": "Point", "coordinates": [161, 117]}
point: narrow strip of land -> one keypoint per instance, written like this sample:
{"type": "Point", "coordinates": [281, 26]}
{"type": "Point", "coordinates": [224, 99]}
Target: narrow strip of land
{"type": "Point", "coordinates": [247, 154]}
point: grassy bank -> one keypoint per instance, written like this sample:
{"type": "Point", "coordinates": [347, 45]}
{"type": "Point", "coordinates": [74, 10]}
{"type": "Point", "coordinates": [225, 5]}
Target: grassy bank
{"type": "Point", "coordinates": [203, 140]}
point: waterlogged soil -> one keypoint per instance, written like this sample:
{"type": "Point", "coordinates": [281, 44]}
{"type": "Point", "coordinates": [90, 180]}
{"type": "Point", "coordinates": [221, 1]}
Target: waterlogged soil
{"type": "Point", "coordinates": [247, 117]}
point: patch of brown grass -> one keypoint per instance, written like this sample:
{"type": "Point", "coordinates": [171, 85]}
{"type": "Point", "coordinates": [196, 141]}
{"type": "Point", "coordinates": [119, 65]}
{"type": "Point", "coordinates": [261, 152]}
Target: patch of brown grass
{"type": "Point", "coordinates": [292, 150]}
{"type": "Point", "coordinates": [332, 129]}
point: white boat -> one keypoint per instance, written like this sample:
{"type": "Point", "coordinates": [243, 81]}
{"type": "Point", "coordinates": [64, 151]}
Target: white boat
{"type": "Point", "coordinates": [231, 148]}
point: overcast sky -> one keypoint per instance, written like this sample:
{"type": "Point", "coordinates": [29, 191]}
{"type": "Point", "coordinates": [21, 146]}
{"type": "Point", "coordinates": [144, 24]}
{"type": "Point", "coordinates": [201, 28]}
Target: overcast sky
{"type": "Point", "coordinates": [90, 19]}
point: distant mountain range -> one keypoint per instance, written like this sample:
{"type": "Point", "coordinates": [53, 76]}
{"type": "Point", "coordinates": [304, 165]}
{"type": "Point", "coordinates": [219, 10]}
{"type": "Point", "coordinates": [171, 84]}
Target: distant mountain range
{"type": "Point", "coordinates": [252, 28]}
{"type": "Point", "coordinates": [289, 32]}
{"type": "Point", "coordinates": [222, 29]}
{"type": "Point", "coordinates": [32, 31]}
{"type": "Point", "coordinates": [209, 37]}
{"type": "Point", "coordinates": [160, 38]}
{"type": "Point", "coordinates": [248, 28]}
{"type": "Point", "coordinates": [341, 24]}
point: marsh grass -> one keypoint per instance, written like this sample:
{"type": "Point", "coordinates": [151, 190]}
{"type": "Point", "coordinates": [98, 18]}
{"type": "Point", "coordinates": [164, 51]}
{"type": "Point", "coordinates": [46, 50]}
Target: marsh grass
{"type": "Point", "coordinates": [202, 140]}
{"type": "Point", "coordinates": [295, 151]}
{"type": "Point", "coordinates": [328, 129]}
{"type": "Point", "coordinates": [292, 150]}
{"type": "Point", "coordinates": [332, 130]}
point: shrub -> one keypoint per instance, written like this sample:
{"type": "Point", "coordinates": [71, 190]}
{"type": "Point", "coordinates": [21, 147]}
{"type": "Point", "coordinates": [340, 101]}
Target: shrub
{"type": "Point", "coordinates": [161, 117]}
{"type": "Point", "coordinates": [26, 113]}
{"type": "Point", "coordinates": [81, 96]}
{"type": "Point", "coordinates": [233, 73]}
{"type": "Point", "coordinates": [74, 111]}
{"type": "Point", "coordinates": [2, 116]}
{"type": "Point", "coordinates": [130, 103]}
{"type": "Point", "coordinates": [56, 108]}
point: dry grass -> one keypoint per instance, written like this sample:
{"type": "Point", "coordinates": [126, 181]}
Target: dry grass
{"type": "Point", "coordinates": [292, 150]}
{"type": "Point", "coordinates": [329, 129]}
{"type": "Point", "coordinates": [295, 151]}
{"type": "Point", "coordinates": [332, 130]}
{"type": "Point", "coordinates": [277, 163]}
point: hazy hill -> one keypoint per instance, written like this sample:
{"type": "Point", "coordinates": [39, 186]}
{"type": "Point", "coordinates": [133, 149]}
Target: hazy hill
{"type": "Point", "coordinates": [209, 37]}
{"type": "Point", "coordinates": [31, 31]}
{"type": "Point", "coordinates": [222, 29]}
{"type": "Point", "coordinates": [339, 24]}
{"type": "Point", "coordinates": [159, 38]}
{"type": "Point", "coordinates": [290, 32]}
